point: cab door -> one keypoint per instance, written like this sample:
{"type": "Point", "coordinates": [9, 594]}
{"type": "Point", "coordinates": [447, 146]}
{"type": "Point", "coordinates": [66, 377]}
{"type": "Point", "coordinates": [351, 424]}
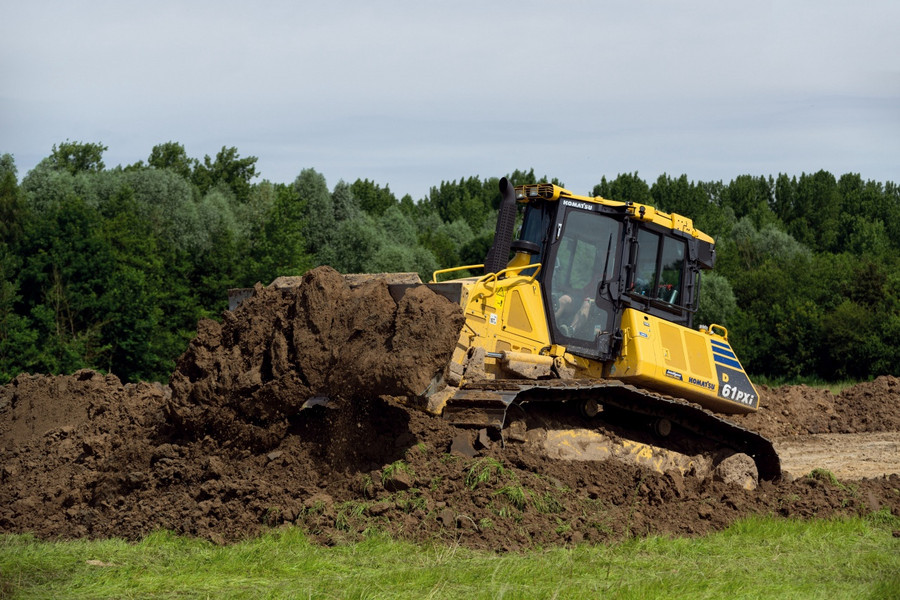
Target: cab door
{"type": "Point", "coordinates": [584, 252]}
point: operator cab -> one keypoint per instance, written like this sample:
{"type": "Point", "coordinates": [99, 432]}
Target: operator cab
{"type": "Point", "coordinates": [599, 257]}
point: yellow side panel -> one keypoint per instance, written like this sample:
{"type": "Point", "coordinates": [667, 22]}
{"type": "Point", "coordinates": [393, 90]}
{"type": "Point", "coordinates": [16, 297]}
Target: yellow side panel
{"type": "Point", "coordinates": [638, 358]}
{"type": "Point", "coordinates": [675, 360]}
{"type": "Point", "coordinates": [698, 356]}
{"type": "Point", "coordinates": [672, 345]}
{"type": "Point", "coordinates": [685, 350]}
{"type": "Point", "coordinates": [507, 315]}
{"type": "Point", "coordinates": [518, 315]}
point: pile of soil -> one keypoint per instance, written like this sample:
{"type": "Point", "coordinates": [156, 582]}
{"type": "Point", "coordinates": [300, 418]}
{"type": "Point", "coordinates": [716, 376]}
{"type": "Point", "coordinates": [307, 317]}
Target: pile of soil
{"type": "Point", "coordinates": [233, 446]}
{"type": "Point", "coordinates": [803, 410]}
{"type": "Point", "coordinates": [242, 380]}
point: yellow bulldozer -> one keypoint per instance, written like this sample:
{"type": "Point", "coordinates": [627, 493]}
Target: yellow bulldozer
{"type": "Point", "coordinates": [594, 308]}
{"type": "Point", "coordinates": [586, 308]}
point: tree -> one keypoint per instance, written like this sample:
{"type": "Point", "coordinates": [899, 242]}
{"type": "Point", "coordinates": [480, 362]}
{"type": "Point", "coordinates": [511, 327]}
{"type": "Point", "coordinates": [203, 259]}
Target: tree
{"type": "Point", "coordinates": [747, 248]}
{"type": "Point", "coordinates": [278, 246]}
{"type": "Point", "coordinates": [398, 228]}
{"type": "Point", "coordinates": [345, 202]}
{"type": "Point", "coordinates": [8, 165]}
{"type": "Point", "coordinates": [395, 258]}
{"type": "Point", "coordinates": [353, 245]}
{"type": "Point", "coordinates": [775, 329]}
{"type": "Point", "coordinates": [518, 177]}
{"type": "Point", "coordinates": [228, 170]}
{"type": "Point", "coordinates": [864, 234]}
{"type": "Point", "coordinates": [77, 157]}
{"type": "Point", "coordinates": [216, 259]}
{"type": "Point", "coordinates": [891, 212]}
{"type": "Point", "coordinates": [409, 206]}
{"type": "Point", "coordinates": [626, 187]}
{"type": "Point", "coordinates": [172, 156]}
{"type": "Point", "coordinates": [470, 199]}
{"type": "Point", "coordinates": [867, 218]}
{"type": "Point", "coordinates": [816, 216]}
{"type": "Point", "coordinates": [167, 201]}
{"type": "Point", "coordinates": [132, 317]}
{"type": "Point", "coordinates": [372, 198]}
{"type": "Point", "coordinates": [784, 200]}
{"type": "Point", "coordinates": [62, 283]}
{"type": "Point", "coordinates": [852, 343]}
{"type": "Point", "coordinates": [474, 251]}
{"type": "Point", "coordinates": [446, 200]}
{"type": "Point", "coordinates": [12, 206]}
{"type": "Point", "coordinates": [717, 302]}
{"type": "Point", "coordinates": [18, 337]}
{"type": "Point", "coordinates": [751, 197]}
{"type": "Point", "coordinates": [312, 190]}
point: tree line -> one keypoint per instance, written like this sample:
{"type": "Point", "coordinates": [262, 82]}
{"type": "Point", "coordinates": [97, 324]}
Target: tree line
{"type": "Point", "coordinates": [110, 268]}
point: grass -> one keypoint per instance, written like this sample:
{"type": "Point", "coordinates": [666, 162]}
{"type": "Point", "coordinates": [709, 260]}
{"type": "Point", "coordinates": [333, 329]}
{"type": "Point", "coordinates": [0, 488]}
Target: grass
{"type": "Point", "coordinates": [390, 471]}
{"type": "Point", "coordinates": [835, 387]}
{"type": "Point", "coordinates": [755, 558]}
{"type": "Point", "coordinates": [483, 471]}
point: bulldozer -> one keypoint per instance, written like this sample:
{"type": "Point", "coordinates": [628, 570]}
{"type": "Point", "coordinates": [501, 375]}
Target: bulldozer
{"type": "Point", "coordinates": [581, 320]}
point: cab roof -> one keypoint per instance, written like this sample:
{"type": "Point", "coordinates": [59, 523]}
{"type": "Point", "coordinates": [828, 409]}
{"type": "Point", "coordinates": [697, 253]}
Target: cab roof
{"type": "Point", "coordinates": [642, 212]}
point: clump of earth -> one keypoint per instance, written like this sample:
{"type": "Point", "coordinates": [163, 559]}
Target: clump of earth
{"type": "Point", "coordinates": [291, 412]}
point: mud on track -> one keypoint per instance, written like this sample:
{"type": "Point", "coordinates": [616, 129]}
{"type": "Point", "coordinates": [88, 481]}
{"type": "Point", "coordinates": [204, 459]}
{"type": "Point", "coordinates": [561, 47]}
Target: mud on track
{"type": "Point", "coordinates": [227, 449]}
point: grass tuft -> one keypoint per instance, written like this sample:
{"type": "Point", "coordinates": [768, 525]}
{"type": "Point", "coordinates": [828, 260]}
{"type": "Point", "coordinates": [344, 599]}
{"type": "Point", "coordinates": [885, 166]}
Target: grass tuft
{"type": "Point", "coordinates": [483, 471]}
{"type": "Point", "coordinates": [390, 471]}
{"type": "Point", "coordinates": [515, 494]}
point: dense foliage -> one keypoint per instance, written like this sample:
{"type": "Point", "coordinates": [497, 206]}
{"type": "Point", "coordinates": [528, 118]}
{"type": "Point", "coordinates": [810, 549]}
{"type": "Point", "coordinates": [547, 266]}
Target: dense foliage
{"type": "Point", "coordinates": [112, 268]}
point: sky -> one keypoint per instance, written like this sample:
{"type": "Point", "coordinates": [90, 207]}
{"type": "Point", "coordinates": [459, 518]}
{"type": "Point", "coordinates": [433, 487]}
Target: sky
{"type": "Point", "coordinates": [412, 93]}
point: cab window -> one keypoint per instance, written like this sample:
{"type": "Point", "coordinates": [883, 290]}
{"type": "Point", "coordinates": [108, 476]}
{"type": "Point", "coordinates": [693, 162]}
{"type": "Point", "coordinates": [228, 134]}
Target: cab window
{"type": "Point", "coordinates": [645, 272]}
{"type": "Point", "coordinates": [672, 261]}
{"type": "Point", "coordinates": [659, 268]}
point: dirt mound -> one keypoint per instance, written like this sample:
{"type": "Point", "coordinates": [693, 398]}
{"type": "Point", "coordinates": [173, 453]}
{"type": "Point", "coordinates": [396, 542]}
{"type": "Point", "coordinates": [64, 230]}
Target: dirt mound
{"type": "Point", "coordinates": [228, 448]}
{"type": "Point", "coordinates": [115, 469]}
{"type": "Point", "coordinates": [68, 444]}
{"type": "Point", "coordinates": [802, 410]}
{"type": "Point", "coordinates": [242, 379]}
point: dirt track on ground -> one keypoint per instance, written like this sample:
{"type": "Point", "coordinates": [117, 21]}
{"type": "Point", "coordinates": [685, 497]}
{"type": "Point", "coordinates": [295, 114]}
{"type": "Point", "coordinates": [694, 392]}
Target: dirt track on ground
{"type": "Point", "coordinates": [231, 447]}
{"type": "Point", "coordinates": [847, 455]}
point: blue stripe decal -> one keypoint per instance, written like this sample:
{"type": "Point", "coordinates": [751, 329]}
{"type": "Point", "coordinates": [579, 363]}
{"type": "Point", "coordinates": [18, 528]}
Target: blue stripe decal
{"type": "Point", "coordinates": [720, 360]}
{"type": "Point", "coordinates": [724, 353]}
{"type": "Point", "coordinates": [723, 349]}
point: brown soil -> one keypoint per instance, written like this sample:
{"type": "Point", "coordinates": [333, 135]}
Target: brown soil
{"type": "Point", "coordinates": [232, 447]}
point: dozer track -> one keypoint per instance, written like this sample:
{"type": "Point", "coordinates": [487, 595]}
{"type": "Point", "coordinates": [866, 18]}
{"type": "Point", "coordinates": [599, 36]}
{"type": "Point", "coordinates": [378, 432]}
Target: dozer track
{"type": "Point", "coordinates": [486, 404]}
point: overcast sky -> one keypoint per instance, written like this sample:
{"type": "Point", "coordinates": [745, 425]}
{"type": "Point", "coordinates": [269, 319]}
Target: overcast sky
{"type": "Point", "coordinates": [412, 93]}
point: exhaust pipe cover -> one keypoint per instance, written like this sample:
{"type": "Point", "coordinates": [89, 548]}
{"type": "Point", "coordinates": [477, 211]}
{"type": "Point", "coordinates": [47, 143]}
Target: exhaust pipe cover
{"type": "Point", "coordinates": [498, 256]}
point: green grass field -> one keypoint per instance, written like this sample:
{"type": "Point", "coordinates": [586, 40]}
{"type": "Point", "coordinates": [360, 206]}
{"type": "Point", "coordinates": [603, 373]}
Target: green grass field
{"type": "Point", "coordinates": [756, 558]}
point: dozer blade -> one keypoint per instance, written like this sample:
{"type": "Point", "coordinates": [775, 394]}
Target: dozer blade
{"type": "Point", "coordinates": [476, 406]}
